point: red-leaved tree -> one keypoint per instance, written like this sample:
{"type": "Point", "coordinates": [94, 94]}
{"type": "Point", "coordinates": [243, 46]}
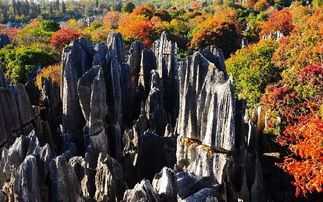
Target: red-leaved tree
{"type": "Point", "coordinates": [278, 21]}
{"type": "Point", "coordinates": [299, 107]}
{"type": "Point", "coordinates": [63, 37]}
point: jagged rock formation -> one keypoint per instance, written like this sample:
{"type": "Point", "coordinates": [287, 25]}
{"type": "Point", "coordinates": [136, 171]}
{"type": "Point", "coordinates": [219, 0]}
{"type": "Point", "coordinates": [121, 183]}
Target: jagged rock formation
{"type": "Point", "coordinates": [147, 127]}
{"type": "Point", "coordinates": [4, 40]}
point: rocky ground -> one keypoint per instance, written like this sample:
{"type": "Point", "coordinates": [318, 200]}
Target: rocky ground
{"type": "Point", "coordinates": [151, 127]}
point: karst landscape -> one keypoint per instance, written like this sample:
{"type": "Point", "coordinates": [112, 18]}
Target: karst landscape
{"type": "Point", "coordinates": [161, 101]}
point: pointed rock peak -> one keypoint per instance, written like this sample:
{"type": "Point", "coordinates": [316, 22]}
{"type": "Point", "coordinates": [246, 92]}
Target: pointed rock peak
{"type": "Point", "coordinates": [164, 36]}
{"type": "Point", "coordinates": [115, 45]}
{"type": "Point", "coordinates": [86, 46]}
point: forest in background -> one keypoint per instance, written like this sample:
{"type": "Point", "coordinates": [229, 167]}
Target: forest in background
{"type": "Point", "coordinates": [273, 50]}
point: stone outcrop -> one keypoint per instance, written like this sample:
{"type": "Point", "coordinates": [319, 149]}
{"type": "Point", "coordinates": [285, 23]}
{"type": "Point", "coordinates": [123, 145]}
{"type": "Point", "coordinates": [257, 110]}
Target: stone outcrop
{"type": "Point", "coordinates": [206, 115]}
{"type": "Point", "coordinates": [4, 40]}
{"type": "Point", "coordinates": [143, 191]}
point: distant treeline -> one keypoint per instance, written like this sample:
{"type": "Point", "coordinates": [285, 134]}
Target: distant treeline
{"type": "Point", "coordinates": [24, 10]}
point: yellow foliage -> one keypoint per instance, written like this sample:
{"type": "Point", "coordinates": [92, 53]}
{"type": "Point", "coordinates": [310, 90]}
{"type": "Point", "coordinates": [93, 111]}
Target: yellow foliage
{"type": "Point", "coordinates": [54, 72]}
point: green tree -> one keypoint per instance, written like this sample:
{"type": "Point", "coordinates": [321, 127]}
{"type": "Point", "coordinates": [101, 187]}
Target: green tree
{"type": "Point", "coordinates": [252, 70]}
{"type": "Point", "coordinates": [49, 26]}
{"type": "Point", "coordinates": [22, 62]}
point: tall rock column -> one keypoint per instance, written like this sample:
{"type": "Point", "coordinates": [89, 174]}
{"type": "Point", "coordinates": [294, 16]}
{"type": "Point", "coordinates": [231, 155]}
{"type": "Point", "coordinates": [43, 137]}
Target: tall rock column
{"type": "Point", "coordinates": [76, 60]}
{"type": "Point", "coordinates": [206, 115]}
{"type": "Point", "coordinates": [167, 68]}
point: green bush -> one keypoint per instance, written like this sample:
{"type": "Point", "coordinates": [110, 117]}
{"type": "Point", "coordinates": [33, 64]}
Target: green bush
{"type": "Point", "coordinates": [49, 26]}
{"type": "Point", "coordinates": [23, 61]}
{"type": "Point", "coordinates": [252, 70]}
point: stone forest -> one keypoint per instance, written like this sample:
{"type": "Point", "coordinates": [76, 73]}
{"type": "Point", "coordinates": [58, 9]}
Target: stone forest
{"type": "Point", "coordinates": [161, 101]}
{"type": "Point", "coordinates": [169, 128]}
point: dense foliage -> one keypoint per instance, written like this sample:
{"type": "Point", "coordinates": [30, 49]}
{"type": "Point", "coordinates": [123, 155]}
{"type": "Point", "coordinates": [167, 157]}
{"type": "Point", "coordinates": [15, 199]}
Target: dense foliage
{"type": "Point", "coordinates": [252, 70]}
{"type": "Point", "coordinates": [22, 62]}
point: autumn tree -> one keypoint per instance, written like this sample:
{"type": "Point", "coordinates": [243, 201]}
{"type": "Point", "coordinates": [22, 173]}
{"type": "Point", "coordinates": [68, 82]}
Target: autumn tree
{"type": "Point", "coordinates": [302, 47]}
{"type": "Point", "coordinates": [145, 10]}
{"type": "Point", "coordinates": [63, 37]}
{"type": "Point", "coordinates": [214, 31]}
{"type": "Point", "coordinates": [278, 21]}
{"type": "Point", "coordinates": [136, 27]}
{"type": "Point", "coordinates": [111, 19]}
{"type": "Point", "coordinates": [163, 15]}
{"type": "Point", "coordinates": [300, 127]}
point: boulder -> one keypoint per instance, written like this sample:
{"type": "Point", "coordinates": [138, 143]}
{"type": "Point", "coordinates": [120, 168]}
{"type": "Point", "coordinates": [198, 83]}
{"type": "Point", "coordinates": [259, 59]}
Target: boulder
{"type": "Point", "coordinates": [108, 179]}
{"type": "Point", "coordinates": [142, 191]}
{"type": "Point", "coordinates": [64, 183]}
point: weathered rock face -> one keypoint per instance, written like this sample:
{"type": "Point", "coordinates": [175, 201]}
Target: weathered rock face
{"type": "Point", "coordinates": [26, 182]}
{"type": "Point", "coordinates": [76, 60]}
{"type": "Point", "coordinates": [17, 115]}
{"type": "Point", "coordinates": [4, 40]}
{"type": "Point", "coordinates": [206, 115]}
{"type": "Point", "coordinates": [167, 69]}
{"type": "Point", "coordinates": [154, 153]}
{"type": "Point", "coordinates": [141, 192]}
{"type": "Point", "coordinates": [24, 168]}
{"type": "Point", "coordinates": [109, 182]}
{"type": "Point", "coordinates": [65, 186]}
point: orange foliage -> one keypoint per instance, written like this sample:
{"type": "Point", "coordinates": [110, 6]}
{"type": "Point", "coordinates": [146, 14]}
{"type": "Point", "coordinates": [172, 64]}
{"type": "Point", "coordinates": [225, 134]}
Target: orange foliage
{"type": "Point", "coordinates": [302, 46]}
{"type": "Point", "coordinates": [54, 72]}
{"type": "Point", "coordinates": [305, 139]}
{"type": "Point", "coordinates": [136, 27]}
{"type": "Point", "coordinates": [278, 20]}
{"type": "Point", "coordinates": [100, 35]}
{"type": "Point", "coordinates": [144, 10]}
{"type": "Point", "coordinates": [111, 19]}
{"type": "Point", "coordinates": [214, 31]}
{"type": "Point", "coordinates": [261, 5]}
{"type": "Point", "coordinates": [195, 5]}
{"type": "Point", "coordinates": [63, 37]}
{"type": "Point", "coordinates": [228, 15]}
{"type": "Point", "coordinates": [250, 3]}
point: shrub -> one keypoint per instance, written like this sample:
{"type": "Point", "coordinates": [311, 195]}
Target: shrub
{"type": "Point", "coordinates": [49, 26]}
